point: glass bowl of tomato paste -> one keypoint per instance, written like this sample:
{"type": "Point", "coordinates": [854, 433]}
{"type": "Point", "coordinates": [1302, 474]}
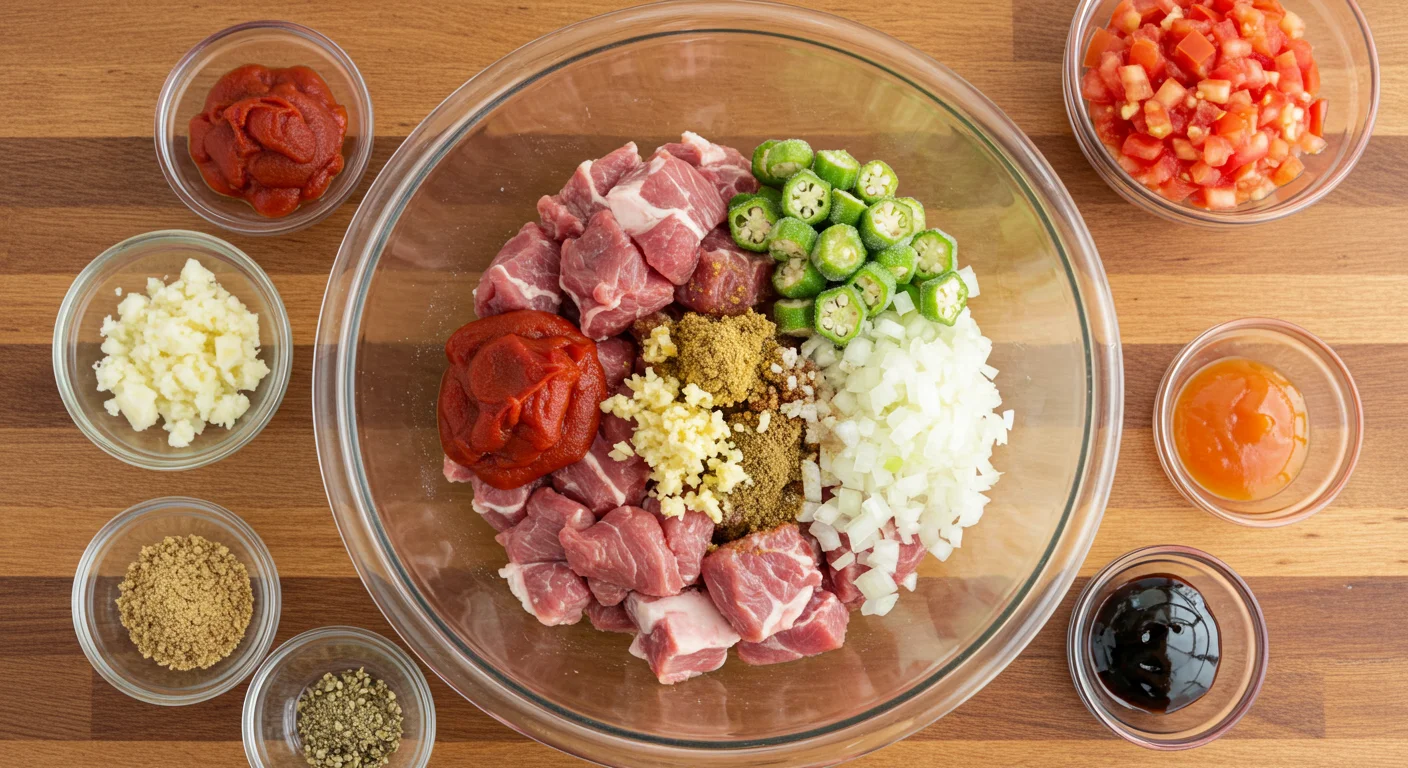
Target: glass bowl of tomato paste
{"type": "Point", "coordinates": [1329, 406]}
{"type": "Point", "coordinates": [288, 51]}
{"type": "Point", "coordinates": [1172, 134]}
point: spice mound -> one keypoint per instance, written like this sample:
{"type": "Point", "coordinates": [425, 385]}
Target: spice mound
{"type": "Point", "coordinates": [349, 721]}
{"type": "Point", "coordinates": [771, 445]}
{"type": "Point", "coordinates": [721, 354]}
{"type": "Point", "coordinates": [186, 602]}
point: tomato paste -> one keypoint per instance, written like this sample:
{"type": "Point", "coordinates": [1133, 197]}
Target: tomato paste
{"type": "Point", "coordinates": [521, 397]}
{"type": "Point", "coordinates": [270, 136]}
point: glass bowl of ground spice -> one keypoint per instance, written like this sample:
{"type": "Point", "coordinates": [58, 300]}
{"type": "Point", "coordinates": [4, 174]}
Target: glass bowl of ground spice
{"type": "Point", "coordinates": [337, 697]}
{"type": "Point", "coordinates": [176, 601]}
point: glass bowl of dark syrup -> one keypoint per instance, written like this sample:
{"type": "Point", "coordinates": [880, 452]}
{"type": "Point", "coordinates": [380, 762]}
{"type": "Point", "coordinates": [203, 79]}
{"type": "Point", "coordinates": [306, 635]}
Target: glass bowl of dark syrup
{"type": "Point", "coordinates": [1167, 647]}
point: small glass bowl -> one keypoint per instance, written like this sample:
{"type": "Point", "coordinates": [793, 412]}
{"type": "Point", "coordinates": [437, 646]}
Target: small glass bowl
{"type": "Point", "coordinates": [1241, 669]}
{"type": "Point", "coordinates": [273, 44]}
{"type": "Point", "coordinates": [97, 622]}
{"type": "Point", "coordinates": [270, 719]}
{"type": "Point", "coordinates": [93, 296]}
{"type": "Point", "coordinates": [1349, 67]}
{"type": "Point", "coordinates": [1331, 402]}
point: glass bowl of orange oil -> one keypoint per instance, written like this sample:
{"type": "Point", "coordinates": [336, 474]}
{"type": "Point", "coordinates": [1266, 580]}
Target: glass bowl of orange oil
{"type": "Point", "coordinates": [1258, 422]}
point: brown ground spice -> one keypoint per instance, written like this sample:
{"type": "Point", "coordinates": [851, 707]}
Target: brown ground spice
{"type": "Point", "coordinates": [773, 459]}
{"type": "Point", "coordinates": [186, 602]}
{"type": "Point", "coordinates": [721, 355]}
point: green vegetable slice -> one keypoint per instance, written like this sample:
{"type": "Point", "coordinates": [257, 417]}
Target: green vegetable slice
{"type": "Point", "coordinates": [839, 313]}
{"type": "Point", "coordinates": [937, 251]}
{"type": "Point", "coordinates": [797, 278]}
{"type": "Point", "coordinates": [846, 208]}
{"type": "Point", "coordinates": [900, 260]}
{"type": "Point", "coordinates": [876, 287]}
{"type": "Point", "coordinates": [807, 197]}
{"type": "Point", "coordinates": [877, 181]}
{"type": "Point", "coordinates": [943, 298]}
{"type": "Point", "coordinates": [791, 238]}
{"type": "Point", "coordinates": [750, 222]}
{"type": "Point", "coordinates": [838, 252]}
{"type": "Point", "coordinates": [794, 317]}
{"type": "Point", "coordinates": [837, 167]}
{"type": "Point", "coordinates": [885, 223]}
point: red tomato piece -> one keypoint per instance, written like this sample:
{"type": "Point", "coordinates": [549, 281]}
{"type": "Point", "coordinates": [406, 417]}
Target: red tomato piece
{"type": "Point", "coordinates": [1171, 94]}
{"type": "Point", "coordinates": [1291, 81]}
{"type": "Point", "coordinates": [1268, 5]}
{"type": "Point", "coordinates": [1156, 120]}
{"type": "Point", "coordinates": [1271, 105]}
{"type": "Point", "coordinates": [1203, 13]}
{"type": "Point", "coordinates": [1216, 150]}
{"type": "Point", "coordinates": [1217, 198]}
{"type": "Point", "coordinates": [1100, 42]}
{"type": "Point", "coordinates": [1153, 10]}
{"type": "Point", "coordinates": [1303, 51]}
{"type": "Point", "coordinates": [1223, 6]}
{"type": "Point", "coordinates": [1178, 190]}
{"type": "Point", "coordinates": [1146, 54]}
{"type": "Point", "coordinates": [1288, 171]}
{"type": "Point", "coordinates": [1125, 18]}
{"type": "Point", "coordinates": [1310, 77]}
{"type": "Point", "coordinates": [1225, 30]}
{"type": "Point", "coordinates": [1092, 87]}
{"type": "Point", "coordinates": [1317, 112]}
{"type": "Point", "coordinates": [1204, 175]}
{"type": "Point", "coordinates": [1195, 51]}
{"type": "Point", "coordinates": [1136, 83]}
{"type": "Point", "coordinates": [1142, 147]}
{"type": "Point", "coordinates": [1256, 147]}
{"type": "Point", "coordinates": [1110, 64]}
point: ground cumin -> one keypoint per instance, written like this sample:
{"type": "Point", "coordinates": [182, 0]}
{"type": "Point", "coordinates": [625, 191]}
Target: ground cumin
{"type": "Point", "coordinates": [722, 355]}
{"type": "Point", "coordinates": [186, 602]}
{"type": "Point", "coordinates": [773, 459]}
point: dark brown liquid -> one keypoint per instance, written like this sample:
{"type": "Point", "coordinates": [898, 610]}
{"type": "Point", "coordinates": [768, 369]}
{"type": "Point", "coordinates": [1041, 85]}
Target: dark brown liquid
{"type": "Point", "coordinates": [1155, 644]}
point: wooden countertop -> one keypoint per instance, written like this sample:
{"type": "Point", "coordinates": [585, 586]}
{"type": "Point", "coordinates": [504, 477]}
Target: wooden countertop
{"type": "Point", "coordinates": [77, 174]}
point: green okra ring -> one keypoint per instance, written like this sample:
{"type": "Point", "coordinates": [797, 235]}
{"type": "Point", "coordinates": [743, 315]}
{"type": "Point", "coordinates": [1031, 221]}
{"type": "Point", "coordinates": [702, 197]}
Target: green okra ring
{"type": "Point", "coordinates": [937, 253]}
{"type": "Point", "coordinates": [876, 286]}
{"type": "Point", "coordinates": [885, 223]}
{"type": "Point", "coordinates": [807, 197]}
{"type": "Point", "coordinates": [900, 261]}
{"type": "Point", "coordinates": [837, 167]}
{"type": "Point", "coordinates": [797, 278]}
{"type": "Point", "coordinates": [750, 222]}
{"type": "Point", "coordinates": [794, 317]}
{"type": "Point", "coordinates": [838, 252]}
{"type": "Point", "coordinates": [839, 313]}
{"type": "Point", "coordinates": [943, 298]}
{"type": "Point", "coordinates": [846, 208]}
{"type": "Point", "coordinates": [876, 181]}
{"type": "Point", "coordinates": [791, 238]}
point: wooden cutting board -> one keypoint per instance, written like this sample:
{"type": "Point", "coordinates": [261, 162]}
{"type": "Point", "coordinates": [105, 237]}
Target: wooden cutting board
{"type": "Point", "coordinates": [77, 174]}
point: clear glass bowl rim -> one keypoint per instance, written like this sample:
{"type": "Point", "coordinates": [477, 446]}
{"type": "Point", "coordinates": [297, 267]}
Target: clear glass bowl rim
{"type": "Point", "coordinates": [1136, 193]}
{"type": "Point", "coordinates": [270, 593]}
{"type": "Point", "coordinates": [1163, 403]}
{"type": "Point", "coordinates": [495, 693]}
{"type": "Point", "coordinates": [307, 214]}
{"type": "Point", "coordinates": [365, 637]}
{"type": "Point", "coordinates": [1085, 687]}
{"type": "Point", "coordinates": [249, 426]}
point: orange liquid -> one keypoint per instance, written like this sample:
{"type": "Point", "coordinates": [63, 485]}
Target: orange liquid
{"type": "Point", "coordinates": [1241, 429]}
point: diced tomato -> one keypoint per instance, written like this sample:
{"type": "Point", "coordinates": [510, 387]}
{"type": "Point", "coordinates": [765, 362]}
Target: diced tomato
{"type": "Point", "coordinates": [1236, 124]}
{"type": "Point", "coordinates": [1217, 198]}
{"type": "Point", "coordinates": [1290, 77]}
{"type": "Point", "coordinates": [1176, 189]}
{"type": "Point", "coordinates": [1125, 18]}
{"type": "Point", "coordinates": [1166, 168]}
{"type": "Point", "coordinates": [1241, 73]}
{"type": "Point", "coordinates": [1142, 147]}
{"type": "Point", "coordinates": [1239, 100]}
{"type": "Point", "coordinates": [1216, 91]}
{"type": "Point", "coordinates": [1256, 147]}
{"type": "Point", "coordinates": [1146, 54]}
{"type": "Point", "coordinates": [1179, 28]}
{"type": "Point", "coordinates": [1195, 52]}
{"type": "Point", "coordinates": [1137, 121]}
{"type": "Point", "coordinates": [1179, 118]}
{"type": "Point", "coordinates": [1156, 121]}
{"type": "Point", "coordinates": [1270, 41]}
{"type": "Point", "coordinates": [1293, 25]}
{"type": "Point", "coordinates": [1130, 165]}
{"type": "Point", "coordinates": [1184, 150]}
{"type": "Point", "coordinates": [1248, 177]}
{"type": "Point", "coordinates": [1223, 6]}
{"type": "Point", "coordinates": [1268, 5]}
{"type": "Point", "coordinates": [1312, 144]}
{"type": "Point", "coordinates": [1092, 87]}
{"type": "Point", "coordinates": [1224, 31]}
{"type": "Point", "coordinates": [1270, 107]}
{"type": "Point", "coordinates": [1305, 55]}
{"type": "Point", "coordinates": [1153, 10]}
{"type": "Point", "coordinates": [1204, 175]}
{"type": "Point", "coordinates": [1288, 171]}
{"type": "Point", "coordinates": [1136, 83]}
{"type": "Point", "coordinates": [1203, 13]}
{"type": "Point", "coordinates": [1100, 42]}
{"type": "Point", "coordinates": [1150, 32]}
{"type": "Point", "coordinates": [1171, 94]}
{"type": "Point", "coordinates": [1316, 114]}
{"type": "Point", "coordinates": [1310, 77]}
{"type": "Point", "coordinates": [1280, 150]}
{"type": "Point", "coordinates": [1235, 48]}
{"type": "Point", "coordinates": [1216, 150]}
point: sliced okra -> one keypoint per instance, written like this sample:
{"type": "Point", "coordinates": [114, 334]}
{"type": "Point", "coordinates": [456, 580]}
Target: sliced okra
{"type": "Point", "coordinates": [797, 278]}
{"type": "Point", "coordinates": [916, 212]}
{"type": "Point", "coordinates": [937, 251]}
{"type": "Point", "coordinates": [837, 167]}
{"type": "Point", "coordinates": [783, 159]}
{"type": "Point", "coordinates": [839, 313]}
{"type": "Point", "coordinates": [838, 252]}
{"type": "Point", "coordinates": [846, 208]}
{"type": "Point", "coordinates": [943, 298]}
{"type": "Point", "coordinates": [876, 181]}
{"type": "Point", "coordinates": [900, 260]}
{"type": "Point", "coordinates": [791, 238]}
{"type": "Point", "coordinates": [773, 195]}
{"type": "Point", "coordinates": [885, 223]}
{"type": "Point", "coordinates": [750, 222]}
{"type": "Point", "coordinates": [760, 154]}
{"type": "Point", "coordinates": [876, 286]}
{"type": "Point", "coordinates": [794, 317]}
{"type": "Point", "coordinates": [807, 197]}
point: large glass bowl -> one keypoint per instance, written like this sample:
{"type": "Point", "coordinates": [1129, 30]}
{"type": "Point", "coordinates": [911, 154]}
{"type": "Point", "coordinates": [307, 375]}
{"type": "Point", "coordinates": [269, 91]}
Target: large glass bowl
{"type": "Point", "coordinates": [736, 72]}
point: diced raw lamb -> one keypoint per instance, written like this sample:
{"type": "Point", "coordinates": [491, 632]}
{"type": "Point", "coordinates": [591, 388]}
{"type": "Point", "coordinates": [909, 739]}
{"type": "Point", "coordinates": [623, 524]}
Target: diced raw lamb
{"type": "Point", "coordinates": [565, 214]}
{"type": "Point", "coordinates": [524, 275]}
{"type": "Point", "coordinates": [607, 278]}
{"type": "Point", "coordinates": [730, 172]}
{"type": "Point", "coordinates": [761, 583]}
{"type": "Point", "coordinates": [617, 355]}
{"type": "Point", "coordinates": [500, 509]}
{"type": "Point", "coordinates": [610, 618]}
{"type": "Point", "coordinates": [535, 539]}
{"type": "Point", "coordinates": [458, 473]}
{"type": "Point", "coordinates": [728, 279]}
{"type": "Point", "coordinates": [626, 547]}
{"type": "Point", "coordinates": [667, 207]}
{"type": "Point", "coordinates": [599, 481]}
{"type": "Point", "coordinates": [820, 628]}
{"type": "Point", "coordinates": [607, 593]}
{"type": "Point", "coordinates": [688, 537]}
{"type": "Point", "coordinates": [549, 591]}
{"type": "Point", "coordinates": [680, 636]}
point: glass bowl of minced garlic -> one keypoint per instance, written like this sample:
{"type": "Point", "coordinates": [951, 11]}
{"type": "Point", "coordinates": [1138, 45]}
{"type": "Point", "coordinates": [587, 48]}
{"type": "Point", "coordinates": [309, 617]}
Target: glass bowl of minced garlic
{"type": "Point", "coordinates": [176, 601]}
{"type": "Point", "coordinates": [335, 697]}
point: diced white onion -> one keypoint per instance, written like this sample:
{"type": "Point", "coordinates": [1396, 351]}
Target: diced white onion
{"type": "Point", "coordinates": [875, 583]}
{"type": "Point", "coordinates": [844, 561]}
{"type": "Point", "coordinates": [826, 536]}
{"type": "Point", "coordinates": [811, 481]}
{"type": "Point", "coordinates": [879, 606]}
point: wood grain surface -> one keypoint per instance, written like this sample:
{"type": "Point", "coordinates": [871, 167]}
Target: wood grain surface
{"type": "Point", "coordinates": [77, 174]}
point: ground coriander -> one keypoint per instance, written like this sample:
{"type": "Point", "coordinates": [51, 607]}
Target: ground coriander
{"type": "Point", "coordinates": [186, 602]}
{"type": "Point", "coordinates": [349, 720]}
{"type": "Point", "coordinates": [721, 355]}
{"type": "Point", "coordinates": [772, 458]}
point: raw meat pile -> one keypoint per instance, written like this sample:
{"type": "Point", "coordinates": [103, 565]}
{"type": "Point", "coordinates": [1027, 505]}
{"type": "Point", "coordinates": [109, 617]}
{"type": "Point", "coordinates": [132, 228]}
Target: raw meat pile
{"type": "Point", "coordinates": [625, 239]}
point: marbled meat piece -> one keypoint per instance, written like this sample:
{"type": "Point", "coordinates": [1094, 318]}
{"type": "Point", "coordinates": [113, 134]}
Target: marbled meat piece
{"type": "Point", "coordinates": [500, 509]}
{"type": "Point", "coordinates": [607, 278]}
{"type": "Point", "coordinates": [728, 280]}
{"type": "Point", "coordinates": [525, 275]}
{"type": "Point", "coordinates": [626, 547]}
{"type": "Point", "coordinates": [688, 536]}
{"type": "Point", "coordinates": [618, 356]}
{"type": "Point", "coordinates": [549, 591]}
{"type": "Point", "coordinates": [610, 618]}
{"type": "Point", "coordinates": [761, 583]}
{"type": "Point", "coordinates": [599, 481]}
{"type": "Point", "coordinates": [459, 473]}
{"type": "Point", "coordinates": [726, 168]}
{"type": "Point", "coordinates": [535, 539]}
{"type": "Point", "coordinates": [667, 207]}
{"type": "Point", "coordinates": [820, 628]}
{"type": "Point", "coordinates": [566, 214]}
{"type": "Point", "coordinates": [607, 593]}
{"type": "Point", "coordinates": [681, 636]}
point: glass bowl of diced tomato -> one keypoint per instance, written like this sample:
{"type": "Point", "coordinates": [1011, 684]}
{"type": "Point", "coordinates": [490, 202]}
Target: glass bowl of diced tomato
{"type": "Point", "coordinates": [1220, 112]}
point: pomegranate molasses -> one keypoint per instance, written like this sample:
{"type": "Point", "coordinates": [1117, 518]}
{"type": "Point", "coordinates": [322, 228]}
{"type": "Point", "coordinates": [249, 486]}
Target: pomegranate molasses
{"type": "Point", "coordinates": [1155, 644]}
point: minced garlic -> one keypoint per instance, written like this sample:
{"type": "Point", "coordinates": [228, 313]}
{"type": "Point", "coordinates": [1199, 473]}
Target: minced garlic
{"type": "Point", "coordinates": [659, 347]}
{"type": "Point", "coordinates": [684, 441]}
{"type": "Point", "coordinates": [183, 352]}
